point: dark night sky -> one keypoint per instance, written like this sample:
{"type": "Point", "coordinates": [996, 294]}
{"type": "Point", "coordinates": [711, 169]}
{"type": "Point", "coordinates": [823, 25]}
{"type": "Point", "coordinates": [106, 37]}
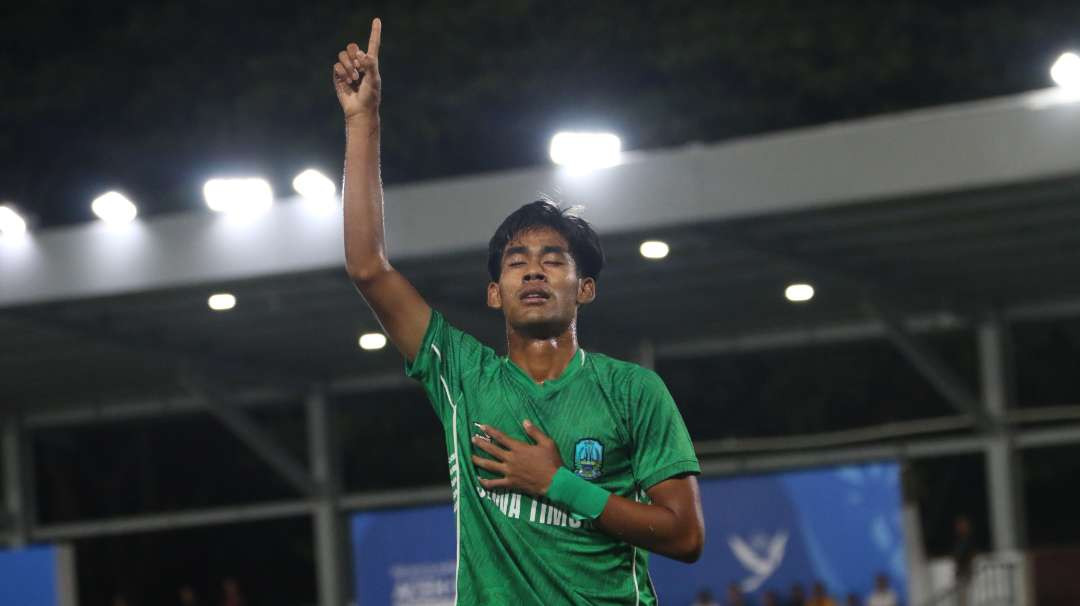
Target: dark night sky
{"type": "Point", "coordinates": [154, 98]}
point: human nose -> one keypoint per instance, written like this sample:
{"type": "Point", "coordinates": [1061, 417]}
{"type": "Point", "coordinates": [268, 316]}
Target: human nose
{"type": "Point", "coordinates": [535, 272]}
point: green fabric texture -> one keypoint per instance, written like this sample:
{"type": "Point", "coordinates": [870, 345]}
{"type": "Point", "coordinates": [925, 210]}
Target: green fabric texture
{"type": "Point", "coordinates": [617, 429]}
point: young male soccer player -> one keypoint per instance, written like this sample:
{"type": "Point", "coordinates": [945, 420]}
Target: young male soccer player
{"type": "Point", "coordinates": [566, 466]}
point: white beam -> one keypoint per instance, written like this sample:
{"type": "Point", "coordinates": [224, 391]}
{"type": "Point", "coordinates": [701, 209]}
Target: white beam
{"type": "Point", "coordinates": [170, 520]}
{"type": "Point", "coordinates": [944, 149]}
{"type": "Point", "coordinates": [886, 432]}
{"type": "Point", "coordinates": [824, 334]}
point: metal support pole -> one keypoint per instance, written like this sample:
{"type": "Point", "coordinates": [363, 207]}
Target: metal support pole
{"type": "Point", "coordinates": [929, 364]}
{"type": "Point", "coordinates": [327, 519]}
{"type": "Point", "coordinates": [1003, 468]}
{"type": "Point", "coordinates": [260, 441]}
{"type": "Point", "coordinates": [902, 447]}
{"type": "Point", "coordinates": [15, 488]}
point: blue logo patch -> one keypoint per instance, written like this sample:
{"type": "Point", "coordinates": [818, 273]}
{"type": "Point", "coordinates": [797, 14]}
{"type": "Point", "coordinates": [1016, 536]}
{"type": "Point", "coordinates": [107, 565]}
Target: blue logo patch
{"type": "Point", "coordinates": [588, 458]}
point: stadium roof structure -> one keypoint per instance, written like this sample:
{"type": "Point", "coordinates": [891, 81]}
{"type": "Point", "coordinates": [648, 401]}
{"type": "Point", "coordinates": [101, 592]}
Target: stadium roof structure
{"type": "Point", "coordinates": [965, 216]}
{"type": "Point", "coordinates": [931, 215]}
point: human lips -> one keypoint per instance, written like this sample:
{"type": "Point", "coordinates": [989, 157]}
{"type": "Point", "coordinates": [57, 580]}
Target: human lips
{"type": "Point", "coordinates": [534, 295]}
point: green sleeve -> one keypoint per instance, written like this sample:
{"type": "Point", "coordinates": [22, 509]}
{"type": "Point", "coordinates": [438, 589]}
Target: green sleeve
{"type": "Point", "coordinates": [662, 445]}
{"type": "Point", "coordinates": [446, 354]}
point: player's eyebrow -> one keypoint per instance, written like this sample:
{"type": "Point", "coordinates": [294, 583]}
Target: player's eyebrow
{"type": "Point", "coordinates": [524, 250]}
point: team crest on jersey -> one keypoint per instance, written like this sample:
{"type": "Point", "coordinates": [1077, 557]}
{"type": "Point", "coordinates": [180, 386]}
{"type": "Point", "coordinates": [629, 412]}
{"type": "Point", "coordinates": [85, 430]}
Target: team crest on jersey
{"type": "Point", "coordinates": [588, 458]}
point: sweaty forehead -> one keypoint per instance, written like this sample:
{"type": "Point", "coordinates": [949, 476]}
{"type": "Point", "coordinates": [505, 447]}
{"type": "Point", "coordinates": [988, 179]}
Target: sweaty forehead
{"type": "Point", "coordinates": [537, 237]}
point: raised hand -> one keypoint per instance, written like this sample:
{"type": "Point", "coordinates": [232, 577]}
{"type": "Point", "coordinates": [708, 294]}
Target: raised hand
{"type": "Point", "coordinates": [356, 76]}
{"type": "Point", "coordinates": [526, 468]}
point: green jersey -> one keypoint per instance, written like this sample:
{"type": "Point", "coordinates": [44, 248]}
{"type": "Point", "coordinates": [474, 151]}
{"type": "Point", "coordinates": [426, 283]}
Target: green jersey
{"type": "Point", "coordinates": [615, 424]}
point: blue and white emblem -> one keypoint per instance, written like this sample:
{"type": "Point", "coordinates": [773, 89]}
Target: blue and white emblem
{"type": "Point", "coordinates": [761, 555]}
{"type": "Point", "coordinates": [588, 458]}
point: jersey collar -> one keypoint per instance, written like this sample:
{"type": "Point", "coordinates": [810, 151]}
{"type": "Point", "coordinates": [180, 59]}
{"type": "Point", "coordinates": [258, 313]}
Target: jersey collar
{"type": "Point", "coordinates": [550, 386]}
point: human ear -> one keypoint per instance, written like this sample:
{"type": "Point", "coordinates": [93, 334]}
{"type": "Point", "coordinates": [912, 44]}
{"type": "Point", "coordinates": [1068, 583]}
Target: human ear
{"type": "Point", "coordinates": [494, 297]}
{"type": "Point", "coordinates": [586, 291]}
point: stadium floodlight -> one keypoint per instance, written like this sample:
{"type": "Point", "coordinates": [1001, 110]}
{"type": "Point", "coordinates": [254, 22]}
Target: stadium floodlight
{"type": "Point", "coordinates": [113, 208]}
{"type": "Point", "coordinates": [797, 293]}
{"type": "Point", "coordinates": [243, 196]}
{"type": "Point", "coordinates": [316, 189]}
{"type": "Point", "coordinates": [654, 249]}
{"type": "Point", "coordinates": [11, 223]}
{"type": "Point", "coordinates": [1066, 71]}
{"type": "Point", "coordinates": [372, 341]}
{"type": "Point", "coordinates": [584, 152]}
{"type": "Point", "coordinates": [221, 301]}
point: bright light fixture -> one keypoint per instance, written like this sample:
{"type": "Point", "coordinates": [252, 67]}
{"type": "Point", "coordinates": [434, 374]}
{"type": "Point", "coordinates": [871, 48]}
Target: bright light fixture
{"type": "Point", "coordinates": [244, 196]}
{"type": "Point", "coordinates": [11, 224]}
{"type": "Point", "coordinates": [797, 293]}
{"type": "Point", "coordinates": [372, 341]}
{"type": "Point", "coordinates": [585, 151]}
{"type": "Point", "coordinates": [1066, 71]}
{"type": "Point", "coordinates": [654, 249]}
{"type": "Point", "coordinates": [114, 208]}
{"type": "Point", "coordinates": [316, 189]}
{"type": "Point", "coordinates": [221, 301]}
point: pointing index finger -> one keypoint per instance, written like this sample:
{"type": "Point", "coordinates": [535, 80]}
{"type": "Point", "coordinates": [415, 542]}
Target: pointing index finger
{"type": "Point", "coordinates": [376, 37]}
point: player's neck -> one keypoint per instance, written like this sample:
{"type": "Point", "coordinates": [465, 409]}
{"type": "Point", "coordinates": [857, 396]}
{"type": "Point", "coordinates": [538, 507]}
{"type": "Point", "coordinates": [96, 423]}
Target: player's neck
{"type": "Point", "coordinates": [542, 359]}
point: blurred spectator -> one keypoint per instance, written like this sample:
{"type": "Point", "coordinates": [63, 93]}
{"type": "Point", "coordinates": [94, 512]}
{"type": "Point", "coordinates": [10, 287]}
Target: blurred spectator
{"type": "Point", "coordinates": [734, 595]}
{"type": "Point", "coordinates": [798, 596]}
{"type": "Point", "coordinates": [188, 597]}
{"type": "Point", "coordinates": [231, 594]}
{"type": "Point", "coordinates": [769, 598]}
{"type": "Point", "coordinates": [705, 598]}
{"type": "Point", "coordinates": [819, 597]}
{"type": "Point", "coordinates": [883, 595]}
{"type": "Point", "coordinates": [963, 557]}
{"type": "Point", "coordinates": [852, 600]}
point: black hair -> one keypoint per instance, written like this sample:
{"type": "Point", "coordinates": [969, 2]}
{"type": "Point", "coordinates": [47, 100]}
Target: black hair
{"type": "Point", "coordinates": [584, 243]}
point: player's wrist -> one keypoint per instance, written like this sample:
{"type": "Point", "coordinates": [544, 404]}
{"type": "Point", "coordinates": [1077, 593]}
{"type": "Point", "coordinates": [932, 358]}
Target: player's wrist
{"type": "Point", "coordinates": [547, 486]}
{"type": "Point", "coordinates": [582, 498]}
{"type": "Point", "coordinates": [365, 120]}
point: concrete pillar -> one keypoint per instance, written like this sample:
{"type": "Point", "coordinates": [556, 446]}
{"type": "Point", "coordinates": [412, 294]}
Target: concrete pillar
{"type": "Point", "coordinates": [328, 527]}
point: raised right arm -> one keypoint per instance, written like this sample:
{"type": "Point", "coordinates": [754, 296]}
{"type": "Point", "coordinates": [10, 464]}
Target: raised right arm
{"type": "Point", "coordinates": [401, 310]}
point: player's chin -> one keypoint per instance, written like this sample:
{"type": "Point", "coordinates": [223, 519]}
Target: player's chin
{"type": "Point", "coordinates": [536, 314]}
{"type": "Point", "coordinates": [539, 323]}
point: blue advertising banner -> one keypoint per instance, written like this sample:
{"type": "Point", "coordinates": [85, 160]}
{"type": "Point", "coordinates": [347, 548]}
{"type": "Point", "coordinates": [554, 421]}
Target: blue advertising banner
{"type": "Point", "coordinates": [838, 526]}
{"type": "Point", "coordinates": [28, 577]}
{"type": "Point", "coordinates": [404, 557]}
